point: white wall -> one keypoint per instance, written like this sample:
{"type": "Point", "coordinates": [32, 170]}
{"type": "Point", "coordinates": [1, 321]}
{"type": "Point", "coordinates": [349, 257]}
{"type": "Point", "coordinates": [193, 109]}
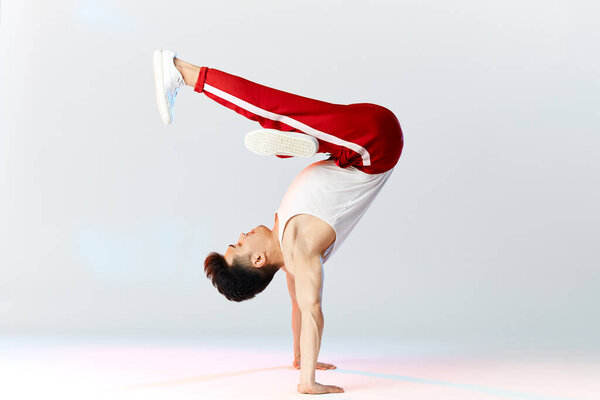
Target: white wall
{"type": "Point", "coordinates": [485, 232]}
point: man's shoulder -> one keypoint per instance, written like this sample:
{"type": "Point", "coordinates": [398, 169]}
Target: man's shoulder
{"type": "Point", "coordinates": [307, 235]}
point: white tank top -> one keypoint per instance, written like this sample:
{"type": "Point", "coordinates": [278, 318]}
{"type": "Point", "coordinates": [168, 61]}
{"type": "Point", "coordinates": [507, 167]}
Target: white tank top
{"type": "Point", "coordinates": [338, 196]}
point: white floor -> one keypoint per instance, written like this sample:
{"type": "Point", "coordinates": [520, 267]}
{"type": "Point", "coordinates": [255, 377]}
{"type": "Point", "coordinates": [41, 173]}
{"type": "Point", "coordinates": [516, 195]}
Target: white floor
{"type": "Point", "coordinates": [34, 368]}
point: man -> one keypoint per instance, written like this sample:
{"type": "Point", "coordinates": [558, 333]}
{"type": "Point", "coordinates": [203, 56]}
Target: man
{"type": "Point", "coordinates": [319, 209]}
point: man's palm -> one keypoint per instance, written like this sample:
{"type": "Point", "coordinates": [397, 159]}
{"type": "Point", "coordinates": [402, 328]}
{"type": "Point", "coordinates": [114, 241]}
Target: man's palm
{"type": "Point", "coordinates": [317, 388]}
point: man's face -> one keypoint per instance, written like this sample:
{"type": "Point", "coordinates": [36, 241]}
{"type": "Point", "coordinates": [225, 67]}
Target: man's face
{"type": "Point", "coordinates": [250, 243]}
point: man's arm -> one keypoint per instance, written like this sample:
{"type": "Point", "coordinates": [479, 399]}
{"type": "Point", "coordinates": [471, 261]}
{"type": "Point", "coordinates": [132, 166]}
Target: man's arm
{"type": "Point", "coordinates": [308, 288]}
{"type": "Point", "coordinates": [296, 318]}
{"type": "Point", "coordinates": [297, 326]}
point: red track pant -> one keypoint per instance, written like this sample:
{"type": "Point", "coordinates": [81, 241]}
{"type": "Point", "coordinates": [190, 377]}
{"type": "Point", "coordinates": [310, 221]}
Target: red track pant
{"type": "Point", "coordinates": [366, 136]}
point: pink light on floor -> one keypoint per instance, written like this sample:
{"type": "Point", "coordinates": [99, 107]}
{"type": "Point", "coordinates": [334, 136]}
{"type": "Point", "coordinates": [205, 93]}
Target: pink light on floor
{"type": "Point", "coordinates": [169, 370]}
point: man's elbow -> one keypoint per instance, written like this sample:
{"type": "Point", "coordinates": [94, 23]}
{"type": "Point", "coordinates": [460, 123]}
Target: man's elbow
{"type": "Point", "coordinates": [310, 305]}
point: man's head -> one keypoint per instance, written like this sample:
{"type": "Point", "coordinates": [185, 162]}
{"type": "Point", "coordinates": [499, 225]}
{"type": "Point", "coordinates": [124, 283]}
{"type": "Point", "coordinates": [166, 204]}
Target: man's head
{"type": "Point", "coordinates": [247, 267]}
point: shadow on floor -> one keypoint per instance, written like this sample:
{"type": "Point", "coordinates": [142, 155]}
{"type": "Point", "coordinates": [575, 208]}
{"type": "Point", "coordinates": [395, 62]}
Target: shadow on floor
{"type": "Point", "coordinates": [196, 379]}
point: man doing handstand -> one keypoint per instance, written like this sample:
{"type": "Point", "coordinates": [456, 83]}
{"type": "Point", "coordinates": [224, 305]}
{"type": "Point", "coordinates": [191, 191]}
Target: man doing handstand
{"type": "Point", "coordinates": [319, 209]}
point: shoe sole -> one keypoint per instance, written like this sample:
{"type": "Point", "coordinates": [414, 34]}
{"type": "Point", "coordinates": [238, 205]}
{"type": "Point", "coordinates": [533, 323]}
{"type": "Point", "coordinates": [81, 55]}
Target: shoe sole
{"type": "Point", "coordinates": [270, 142]}
{"type": "Point", "coordinates": [159, 84]}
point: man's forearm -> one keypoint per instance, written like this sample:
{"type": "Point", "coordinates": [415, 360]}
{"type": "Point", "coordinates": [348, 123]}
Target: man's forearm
{"type": "Point", "coordinates": [296, 328]}
{"type": "Point", "coordinates": [310, 342]}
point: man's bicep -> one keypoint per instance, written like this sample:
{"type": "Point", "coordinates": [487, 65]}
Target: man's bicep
{"type": "Point", "coordinates": [309, 282]}
{"type": "Point", "coordinates": [291, 284]}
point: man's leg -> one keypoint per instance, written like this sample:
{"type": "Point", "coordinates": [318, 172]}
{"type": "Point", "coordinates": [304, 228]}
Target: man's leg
{"type": "Point", "coordinates": [366, 136]}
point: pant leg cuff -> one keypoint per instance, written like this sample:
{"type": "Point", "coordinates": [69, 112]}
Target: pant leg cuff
{"type": "Point", "coordinates": [199, 87]}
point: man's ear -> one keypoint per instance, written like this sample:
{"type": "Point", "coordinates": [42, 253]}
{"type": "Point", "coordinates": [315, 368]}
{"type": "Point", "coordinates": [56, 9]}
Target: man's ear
{"type": "Point", "coordinates": [258, 259]}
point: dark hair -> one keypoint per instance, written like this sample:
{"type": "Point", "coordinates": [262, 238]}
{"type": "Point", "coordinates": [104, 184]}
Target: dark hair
{"type": "Point", "coordinates": [239, 281]}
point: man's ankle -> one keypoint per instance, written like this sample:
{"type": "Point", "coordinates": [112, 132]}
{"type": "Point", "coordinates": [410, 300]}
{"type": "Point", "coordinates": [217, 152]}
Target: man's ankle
{"type": "Point", "coordinates": [188, 71]}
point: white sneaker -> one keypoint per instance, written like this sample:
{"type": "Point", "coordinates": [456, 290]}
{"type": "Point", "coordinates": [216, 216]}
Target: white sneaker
{"type": "Point", "coordinates": [268, 142]}
{"type": "Point", "coordinates": [167, 81]}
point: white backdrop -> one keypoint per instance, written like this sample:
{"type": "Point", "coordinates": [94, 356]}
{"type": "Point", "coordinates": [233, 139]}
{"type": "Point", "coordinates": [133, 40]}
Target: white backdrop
{"type": "Point", "coordinates": [486, 232]}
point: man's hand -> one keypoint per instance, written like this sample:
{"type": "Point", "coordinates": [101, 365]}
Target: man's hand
{"type": "Point", "coordinates": [320, 365]}
{"type": "Point", "coordinates": [317, 388]}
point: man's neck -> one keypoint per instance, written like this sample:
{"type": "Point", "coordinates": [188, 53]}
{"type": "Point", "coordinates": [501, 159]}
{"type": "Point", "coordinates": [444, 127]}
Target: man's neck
{"type": "Point", "coordinates": [275, 233]}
